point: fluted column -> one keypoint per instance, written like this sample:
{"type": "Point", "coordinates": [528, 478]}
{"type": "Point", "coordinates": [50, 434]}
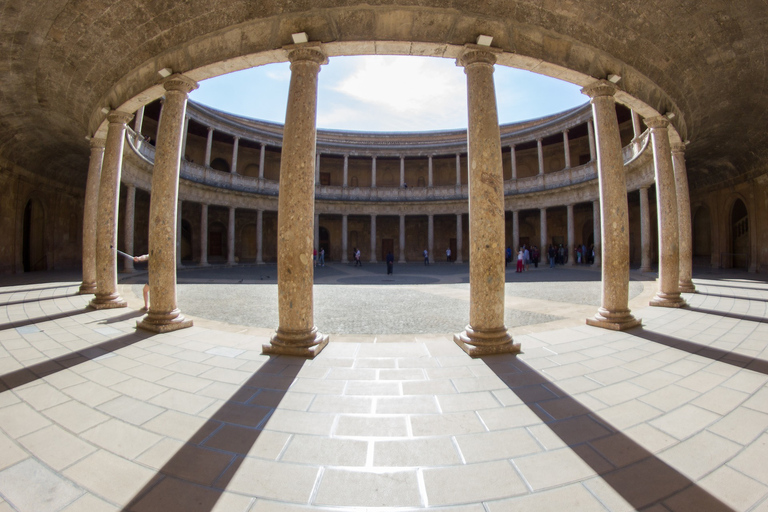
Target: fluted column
{"type": "Point", "coordinates": [106, 227]}
{"type": "Point", "coordinates": [513, 157]}
{"type": "Point", "coordinates": [683, 218]}
{"type": "Point", "coordinates": [596, 232]}
{"type": "Point", "coordinates": [164, 315]}
{"type": "Point", "coordinates": [645, 231]}
{"type": "Point", "coordinates": [486, 332]}
{"type": "Point", "coordinates": [204, 235]}
{"type": "Point", "coordinates": [614, 310]}
{"type": "Point", "coordinates": [231, 237]}
{"type": "Point", "coordinates": [128, 226]}
{"type": "Point", "coordinates": [235, 147]}
{"type": "Point", "coordinates": [209, 147]}
{"type": "Point", "coordinates": [459, 239]}
{"type": "Point", "coordinates": [571, 235]}
{"type": "Point", "coordinates": [567, 147]}
{"type": "Point", "coordinates": [296, 333]}
{"type": "Point", "coordinates": [515, 233]}
{"type": "Point", "coordinates": [373, 238]}
{"type": "Point", "coordinates": [344, 238]}
{"type": "Point", "coordinates": [373, 172]}
{"type": "Point", "coordinates": [668, 294]}
{"type": "Point", "coordinates": [90, 216]}
{"type": "Point", "coordinates": [431, 237]}
{"type": "Point", "coordinates": [259, 237]}
{"type": "Point", "coordinates": [401, 258]}
{"type": "Point", "coordinates": [543, 227]}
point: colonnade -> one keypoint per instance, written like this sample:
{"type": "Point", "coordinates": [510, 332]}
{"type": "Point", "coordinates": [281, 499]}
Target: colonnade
{"type": "Point", "coordinates": [297, 220]}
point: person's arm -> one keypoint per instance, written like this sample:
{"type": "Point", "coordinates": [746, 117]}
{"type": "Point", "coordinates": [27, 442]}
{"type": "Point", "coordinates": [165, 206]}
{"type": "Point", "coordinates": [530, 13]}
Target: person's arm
{"type": "Point", "coordinates": [139, 259]}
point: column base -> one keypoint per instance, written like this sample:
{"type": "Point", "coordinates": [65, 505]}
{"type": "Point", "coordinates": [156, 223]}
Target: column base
{"type": "Point", "coordinates": [164, 322]}
{"type": "Point", "coordinates": [668, 300]}
{"type": "Point", "coordinates": [302, 344]}
{"type": "Point", "coordinates": [477, 344]}
{"type": "Point", "coordinates": [109, 301]}
{"type": "Point", "coordinates": [644, 269]}
{"type": "Point", "coordinates": [687, 287]}
{"type": "Point", "coordinates": [87, 288]}
{"type": "Point", "coordinates": [615, 321]}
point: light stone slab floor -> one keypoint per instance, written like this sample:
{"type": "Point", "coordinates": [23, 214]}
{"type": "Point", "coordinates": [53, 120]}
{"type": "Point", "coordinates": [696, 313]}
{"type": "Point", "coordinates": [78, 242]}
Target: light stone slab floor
{"type": "Point", "coordinates": [96, 416]}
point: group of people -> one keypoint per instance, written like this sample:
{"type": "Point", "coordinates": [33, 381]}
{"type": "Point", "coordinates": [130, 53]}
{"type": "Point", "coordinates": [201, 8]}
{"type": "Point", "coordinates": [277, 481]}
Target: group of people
{"type": "Point", "coordinates": [557, 255]}
{"type": "Point", "coordinates": [318, 258]}
{"type": "Point", "coordinates": [525, 256]}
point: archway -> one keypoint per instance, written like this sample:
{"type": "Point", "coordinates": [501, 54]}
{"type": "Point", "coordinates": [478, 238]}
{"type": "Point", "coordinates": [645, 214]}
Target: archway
{"type": "Point", "coordinates": [219, 164]}
{"type": "Point", "coordinates": [217, 241]}
{"type": "Point", "coordinates": [186, 241]}
{"type": "Point", "coordinates": [740, 246]}
{"type": "Point", "coordinates": [325, 242]}
{"type": "Point", "coordinates": [33, 244]}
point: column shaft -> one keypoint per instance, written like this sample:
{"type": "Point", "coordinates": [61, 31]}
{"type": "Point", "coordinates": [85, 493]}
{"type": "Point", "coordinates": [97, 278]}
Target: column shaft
{"type": "Point", "coordinates": [402, 170]}
{"type": "Point", "coordinates": [235, 147]}
{"type": "Point", "coordinates": [591, 136]}
{"type": "Point", "coordinates": [645, 231]}
{"type": "Point", "coordinates": [373, 172]}
{"type": "Point", "coordinates": [262, 155]}
{"type": "Point", "coordinates": [431, 237]}
{"type": "Point", "coordinates": [259, 237]}
{"type": "Point", "coordinates": [90, 216]}
{"type": "Point", "coordinates": [458, 170]}
{"type": "Point", "coordinates": [209, 147]}
{"type": "Point", "coordinates": [614, 310]}
{"type": "Point", "coordinates": [231, 237]}
{"type": "Point", "coordinates": [164, 315]}
{"type": "Point", "coordinates": [513, 156]}
{"type": "Point", "coordinates": [540, 150]}
{"type": "Point", "coordinates": [458, 258]}
{"type": "Point", "coordinates": [486, 332]}
{"type": "Point", "coordinates": [684, 218]}
{"type": "Point", "coordinates": [345, 182]}
{"type": "Point", "coordinates": [429, 183]}
{"type": "Point", "coordinates": [296, 333]}
{"type": "Point", "coordinates": [106, 228]}
{"type": "Point", "coordinates": [344, 238]}
{"type": "Point", "coordinates": [543, 225]}
{"type": "Point", "coordinates": [596, 232]}
{"type": "Point", "coordinates": [128, 227]}
{"type": "Point", "coordinates": [515, 233]}
{"type": "Point", "coordinates": [567, 148]}
{"type": "Point", "coordinates": [668, 294]}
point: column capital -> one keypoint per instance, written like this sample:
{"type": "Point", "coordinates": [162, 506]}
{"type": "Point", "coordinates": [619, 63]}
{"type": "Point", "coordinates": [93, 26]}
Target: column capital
{"type": "Point", "coordinates": [475, 54]}
{"type": "Point", "coordinates": [678, 147]}
{"type": "Point", "coordinates": [656, 122]}
{"type": "Point", "coordinates": [180, 83]}
{"type": "Point", "coordinates": [311, 51]}
{"type": "Point", "coordinates": [98, 143]}
{"type": "Point", "coordinates": [600, 88]}
{"type": "Point", "coordinates": [119, 117]}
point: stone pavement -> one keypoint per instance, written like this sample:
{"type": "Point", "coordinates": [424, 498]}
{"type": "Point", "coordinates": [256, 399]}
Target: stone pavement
{"type": "Point", "coordinates": [97, 416]}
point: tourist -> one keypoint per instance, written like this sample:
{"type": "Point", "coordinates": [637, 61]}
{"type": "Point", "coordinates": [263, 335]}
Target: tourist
{"type": "Point", "coordinates": [535, 256]}
{"type": "Point", "coordinates": [519, 261]}
{"type": "Point", "coordinates": [426, 257]}
{"type": "Point", "coordinates": [526, 257]}
{"type": "Point", "coordinates": [358, 260]}
{"type": "Point", "coordinates": [322, 257]}
{"type": "Point", "coordinates": [145, 290]}
{"type": "Point", "coordinates": [314, 258]}
{"type": "Point", "coordinates": [448, 255]}
{"type": "Point", "coordinates": [508, 256]}
{"type": "Point", "coordinates": [390, 262]}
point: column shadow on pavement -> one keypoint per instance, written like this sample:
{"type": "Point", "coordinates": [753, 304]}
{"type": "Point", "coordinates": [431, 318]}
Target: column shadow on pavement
{"type": "Point", "coordinates": [641, 478]}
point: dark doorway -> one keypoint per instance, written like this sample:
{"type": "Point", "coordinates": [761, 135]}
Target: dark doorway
{"type": "Point", "coordinates": [387, 246]}
{"type": "Point", "coordinates": [33, 243]}
{"type": "Point", "coordinates": [740, 235]}
{"type": "Point", "coordinates": [325, 242]}
{"type": "Point", "coordinates": [452, 245]}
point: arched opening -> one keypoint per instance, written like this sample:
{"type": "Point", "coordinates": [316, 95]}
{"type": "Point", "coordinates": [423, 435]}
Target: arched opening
{"type": "Point", "coordinates": [33, 244]}
{"type": "Point", "coordinates": [739, 235]}
{"type": "Point", "coordinates": [186, 241]}
{"type": "Point", "coordinates": [219, 164]}
{"type": "Point", "coordinates": [248, 244]}
{"type": "Point", "coordinates": [217, 240]}
{"type": "Point", "coordinates": [702, 236]}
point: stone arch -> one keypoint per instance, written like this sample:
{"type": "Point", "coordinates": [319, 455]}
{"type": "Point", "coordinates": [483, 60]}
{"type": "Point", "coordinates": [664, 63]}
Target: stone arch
{"type": "Point", "coordinates": [250, 170]}
{"type": "Point", "coordinates": [219, 164]}
{"type": "Point", "coordinates": [34, 255]}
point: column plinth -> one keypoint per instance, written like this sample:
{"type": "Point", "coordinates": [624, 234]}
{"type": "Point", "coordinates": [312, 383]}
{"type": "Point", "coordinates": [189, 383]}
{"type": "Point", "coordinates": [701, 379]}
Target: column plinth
{"type": "Point", "coordinates": [106, 296]}
{"type": "Point", "coordinates": [613, 312]}
{"type": "Point", "coordinates": [296, 334]}
{"type": "Point", "coordinates": [486, 333]}
{"type": "Point", "coordinates": [668, 294]}
{"type": "Point", "coordinates": [164, 315]}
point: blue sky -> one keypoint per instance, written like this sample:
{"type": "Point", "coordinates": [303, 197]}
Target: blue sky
{"type": "Point", "coordinates": [388, 93]}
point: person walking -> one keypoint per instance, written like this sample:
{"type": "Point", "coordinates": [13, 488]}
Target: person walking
{"type": "Point", "coordinates": [519, 261]}
{"type": "Point", "coordinates": [448, 255]}
{"type": "Point", "coordinates": [426, 257]}
{"type": "Point", "coordinates": [322, 257]}
{"type": "Point", "coordinates": [390, 262]}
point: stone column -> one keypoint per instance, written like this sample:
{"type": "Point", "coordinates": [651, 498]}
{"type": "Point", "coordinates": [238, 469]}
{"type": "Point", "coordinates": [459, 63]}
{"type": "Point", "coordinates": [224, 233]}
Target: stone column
{"type": "Point", "coordinates": [184, 138]}
{"type": "Point", "coordinates": [178, 234]}
{"type": "Point", "coordinates": [259, 237]}
{"type": "Point", "coordinates": [373, 238]}
{"type": "Point", "coordinates": [209, 147]}
{"type": "Point", "coordinates": [540, 150]}
{"type": "Point", "coordinates": [636, 130]}
{"type": "Point", "coordinates": [614, 311]}
{"type": "Point", "coordinates": [130, 217]}
{"type": "Point", "coordinates": [543, 225]}
{"type": "Point", "coordinates": [486, 332]}
{"type": "Point", "coordinates": [402, 171]}
{"type": "Point", "coordinates": [106, 227]}
{"type": "Point", "coordinates": [431, 237]}
{"type": "Point", "coordinates": [683, 218]}
{"type": "Point", "coordinates": [262, 154]}
{"type": "Point", "coordinates": [164, 315]}
{"type": "Point", "coordinates": [514, 161]}
{"type": "Point", "coordinates": [296, 334]}
{"type": "Point", "coordinates": [316, 237]}
{"type": "Point", "coordinates": [571, 234]}
{"type": "Point", "coordinates": [668, 294]}
{"type": "Point", "coordinates": [401, 259]}
{"type": "Point", "coordinates": [138, 121]}
{"type": "Point", "coordinates": [596, 231]}
{"type": "Point", "coordinates": [317, 169]}
{"type": "Point", "coordinates": [344, 238]}
{"type": "Point", "coordinates": [515, 233]}
{"type": "Point", "coordinates": [231, 237]}
{"type": "Point", "coordinates": [429, 172]}
{"type": "Point", "coordinates": [458, 258]}
{"type": "Point", "coordinates": [591, 136]}
{"type": "Point", "coordinates": [373, 172]}
{"type": "Point", "coordinates": [645, 231]}
{"type": "Point", "coordinates": [235, 147]}
{"type": "Point", "coordinates": [91, 217]}
{"type": "Point", "coordinates": [567, 146]}
{"type": "Point", "coordinates": [458, 170]}
{"type": "Point", "coordinates": [204, 235]}
{"type": "Point", "coordinates": [345, 182]}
